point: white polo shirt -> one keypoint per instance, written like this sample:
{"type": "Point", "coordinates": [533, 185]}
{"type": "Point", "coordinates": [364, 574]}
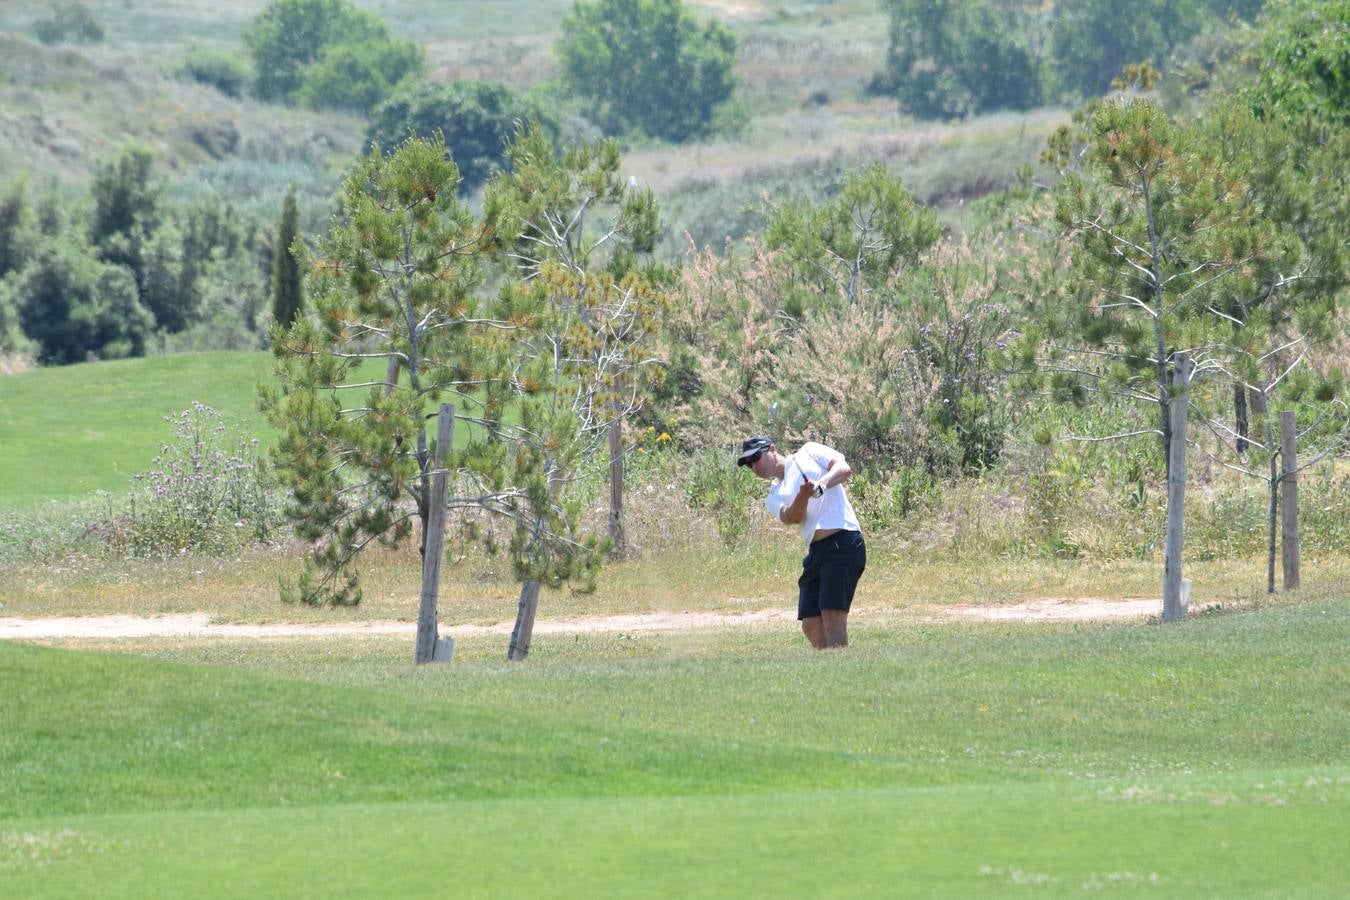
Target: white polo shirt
{"type": "Point", "coordinates": [830, 510]}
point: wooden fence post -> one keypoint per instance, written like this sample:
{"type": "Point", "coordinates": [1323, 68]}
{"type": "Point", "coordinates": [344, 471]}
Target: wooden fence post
{"type": "Point", "coordinates": [1174, 604]}
{"type": "Point", "coordinates": [1289, 493]}
{"type": "Point", "coordinates": [434, 542]}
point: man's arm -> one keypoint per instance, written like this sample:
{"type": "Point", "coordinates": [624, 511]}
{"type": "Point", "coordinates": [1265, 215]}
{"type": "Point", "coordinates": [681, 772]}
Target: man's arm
{"type": "Point", "coordinates": [838, 472]}
{"type": "Point", "coordinates": [794, 513]}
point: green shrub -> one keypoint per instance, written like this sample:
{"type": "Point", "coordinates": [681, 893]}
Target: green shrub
{"type": "Point", "coordinates": [886, 500]}
{"type": "Point", "coordinates": [477, 118]}
{"type": "Point", "coordinates": [225, 72]}
{"type": "Point", "coordinates": [1324, 512]}
{"type": "Point", "coordinates": [76, 307]}
{"type": "Point", "coordinates": [327, 53]}
{"type": "Point", "coordinates": [69, 21]}
{"type": "Point", "coordinates": [1305, 56]}
{"type": "Point", "coordinates": [956, 59]}
{"type": "Point", "coordinates": [356, 76]}
{"type": "Point", "coordinates": [714, 482]}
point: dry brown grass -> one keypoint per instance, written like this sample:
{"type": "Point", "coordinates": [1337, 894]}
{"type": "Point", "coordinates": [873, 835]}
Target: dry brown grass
{"type": "Point", "coordinates": [677, 564]}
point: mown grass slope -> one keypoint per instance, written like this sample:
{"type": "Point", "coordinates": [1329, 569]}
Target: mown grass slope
{"type": "Point", "coordinates": [67, 432]}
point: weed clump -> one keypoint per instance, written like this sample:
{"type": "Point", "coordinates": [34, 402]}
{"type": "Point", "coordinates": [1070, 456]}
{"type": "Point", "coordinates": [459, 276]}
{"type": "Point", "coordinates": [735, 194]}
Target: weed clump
{"type": "Point", "coordinates": [205, 492]}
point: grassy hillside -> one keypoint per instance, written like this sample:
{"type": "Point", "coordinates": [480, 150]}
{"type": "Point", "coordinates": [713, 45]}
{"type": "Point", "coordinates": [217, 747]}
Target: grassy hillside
{"type": "Point", "coordinates": [801, 68]}
{"type": "Point", "coordinates": [1199, 760]}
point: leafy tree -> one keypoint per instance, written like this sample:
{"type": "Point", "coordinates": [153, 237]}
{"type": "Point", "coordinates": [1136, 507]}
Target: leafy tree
{"type": "Point", "coordinates": [854, 241]}
{"type": "Point", "coordinates": [128, 202]}
{"type": "Point", "coordinates": [162, 283]}
{"type": "Point", "coordinates": [287, 284]}
{"type": "Point", "coordinates": [291, 36]}
{"type": "Point", "coordinates": [394, 281]}
{"type": "Point", "coordinates": [1093, 40]}
{"type": "Point", "coordinates": [17, 228]}
{"type": "Point", "coordinates": [17, 243]}
{"type": "Point", "coordinates": [955, 58]}
{"type": "Point", "coordinates": [573, 232]}
{"type": "Point", "coordinates": [75, 306]}
{"type": "Point", "coordinates": [1305, 62]}
{"type": "Point", "coordinates": [357, 76]}
{"type": "Point", "coordinates": [476, 118]}
{"type": "Point", "coordinates": [128, 208]}
{"type": "Point", "coordinates": [647, 65]}
{"type": "Point", "coordinates": [1298, 265]}
{"type": "Point", "coordinates": [12, 339]}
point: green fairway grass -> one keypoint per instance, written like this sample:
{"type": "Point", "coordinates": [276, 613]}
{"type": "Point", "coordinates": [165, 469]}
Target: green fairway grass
{"type": "Point", "coordinates": [66, 432]}
{"type": "Point", "coordinates": [69, 431]}
{"type": "Point", "coordinates": [1206, 759]}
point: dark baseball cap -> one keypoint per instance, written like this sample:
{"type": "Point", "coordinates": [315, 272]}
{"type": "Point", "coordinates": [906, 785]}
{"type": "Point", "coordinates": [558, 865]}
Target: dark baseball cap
{"type": "Point", "coordinates": [751, 448]}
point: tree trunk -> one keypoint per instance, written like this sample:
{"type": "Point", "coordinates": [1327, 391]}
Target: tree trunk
{"type": "Point", "coordinates": [1260, 410]}
{"type": "Point", "coordinates": [1173, 607]}
{"type": "Point", "coordinates": [616, 534]}
{"type": "Point", "coordinates": [1262, 428]}
{"type": "Point", "coordinates": [524, 630]}
{"type": "Point", "coordinates": [433, 537]}
{"type": "Point", "coordinates": [528, 604]}
{"type": "Point", "coordinates": [1240, 417]}
{"type": "Point", "coordinates": [1289, 489]}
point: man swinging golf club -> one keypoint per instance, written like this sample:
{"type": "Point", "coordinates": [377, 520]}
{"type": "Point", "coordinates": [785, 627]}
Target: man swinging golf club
{"type": "Point", "coordinates": [807, 489]}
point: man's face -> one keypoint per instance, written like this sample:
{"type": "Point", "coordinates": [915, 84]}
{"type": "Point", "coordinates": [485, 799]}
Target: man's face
{"type": "Point", "coordinates": [763, 466]}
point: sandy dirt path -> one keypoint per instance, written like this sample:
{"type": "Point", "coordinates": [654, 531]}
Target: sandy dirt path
{"type": "Point", "coordinates": [1082, 609]}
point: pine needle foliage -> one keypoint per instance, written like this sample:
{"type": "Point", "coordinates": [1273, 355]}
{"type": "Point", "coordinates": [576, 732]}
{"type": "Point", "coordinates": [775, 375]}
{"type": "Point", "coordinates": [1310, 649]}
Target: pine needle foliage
{"type": "Point", "coordinates": [393, 281]}
{"type": "Point", "coordinates": [571, 233]}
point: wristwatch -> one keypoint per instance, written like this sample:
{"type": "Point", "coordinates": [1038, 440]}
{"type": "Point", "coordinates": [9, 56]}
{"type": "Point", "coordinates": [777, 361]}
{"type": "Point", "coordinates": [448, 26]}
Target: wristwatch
{"type": "Point", "coordinates": [818, 490]}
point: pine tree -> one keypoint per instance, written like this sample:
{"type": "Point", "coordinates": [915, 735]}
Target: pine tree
{"type": "Point", "coordinates": [396, 281]}
{"type": "Point", "coordinates": [1161, 233]}
{"type": "Point", "coordinates": [287, 284]}
{"type": "Point", "coordinates": [574, 232]}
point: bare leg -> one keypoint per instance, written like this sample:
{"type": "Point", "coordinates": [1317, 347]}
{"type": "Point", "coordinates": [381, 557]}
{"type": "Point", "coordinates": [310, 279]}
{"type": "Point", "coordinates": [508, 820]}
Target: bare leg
{"type": "Point", "coordinates": [814, 631]}
{"type": "Point", "coordinates": [835, 626]}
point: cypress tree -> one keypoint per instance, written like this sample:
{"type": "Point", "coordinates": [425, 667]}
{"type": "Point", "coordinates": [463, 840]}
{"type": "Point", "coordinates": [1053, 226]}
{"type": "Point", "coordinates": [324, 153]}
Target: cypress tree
{"type": "Point", "coordinates": [286, 285]}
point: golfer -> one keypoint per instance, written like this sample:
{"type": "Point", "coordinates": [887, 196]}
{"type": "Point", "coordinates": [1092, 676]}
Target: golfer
{"type": "Point", "coordinates": [807, 489]}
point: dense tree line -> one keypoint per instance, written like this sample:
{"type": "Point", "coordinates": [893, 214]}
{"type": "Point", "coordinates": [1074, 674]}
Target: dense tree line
{"type": "Point", "coordinates": [126, 269]}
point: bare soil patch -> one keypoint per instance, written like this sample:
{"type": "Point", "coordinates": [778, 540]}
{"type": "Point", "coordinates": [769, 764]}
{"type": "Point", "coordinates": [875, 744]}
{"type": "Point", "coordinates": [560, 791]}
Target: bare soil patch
{"type": "Point", "coordinates": [200, 625]}
{"type": "Point", "coordinates": [1071, 609]}
{"type": "Point", "coordinates": [1056, 609]}
{"type": "Point", "coordinates": [736, 9]}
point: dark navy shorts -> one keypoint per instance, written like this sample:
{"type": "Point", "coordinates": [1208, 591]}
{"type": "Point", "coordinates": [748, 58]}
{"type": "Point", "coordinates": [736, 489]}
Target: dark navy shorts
{"type": "Point", "coordinates": [830, 573]}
